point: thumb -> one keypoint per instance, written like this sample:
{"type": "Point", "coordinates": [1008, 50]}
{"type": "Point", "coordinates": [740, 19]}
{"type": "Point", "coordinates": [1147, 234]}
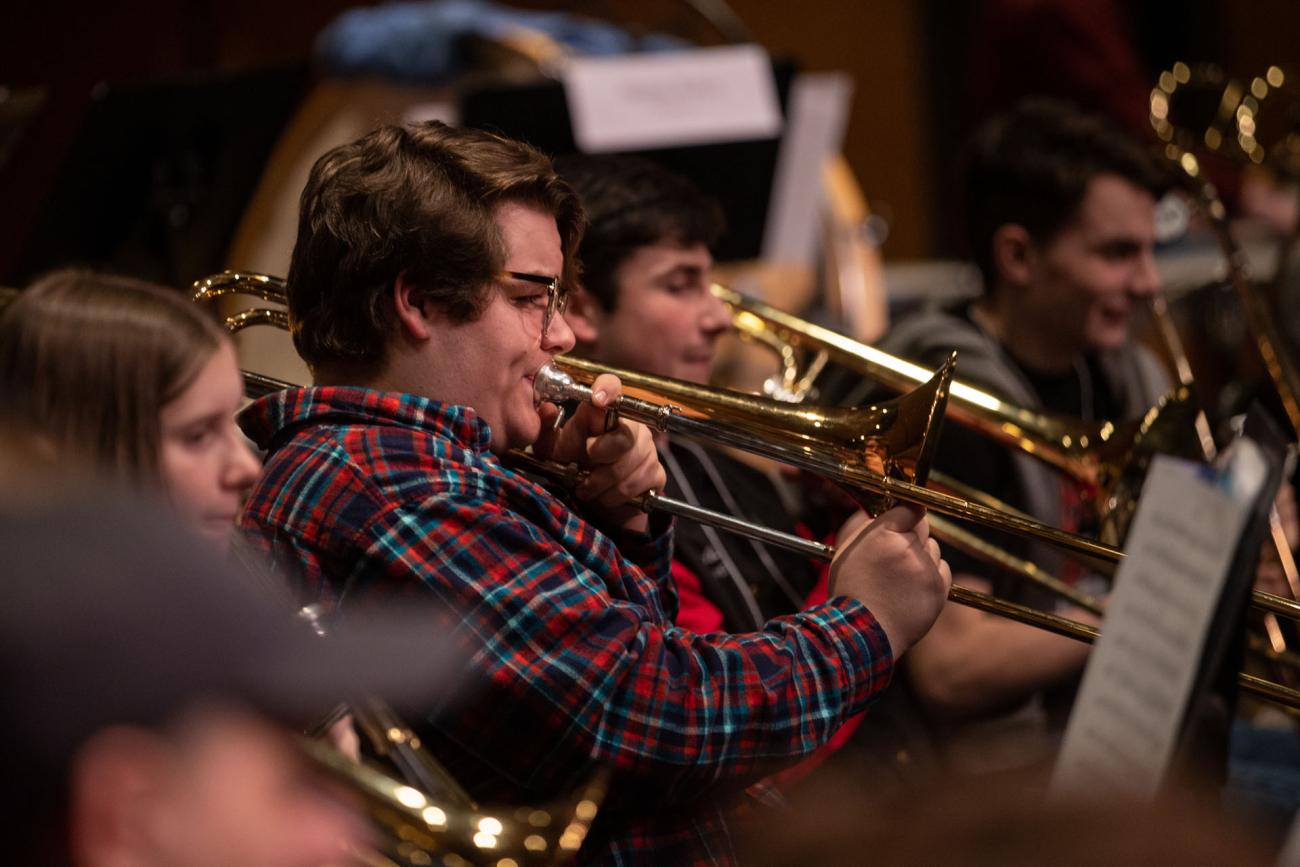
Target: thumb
{"type": "Point", "coordinates": [902, 518]}
{"type": "Point", "coordinates": [605, 391]}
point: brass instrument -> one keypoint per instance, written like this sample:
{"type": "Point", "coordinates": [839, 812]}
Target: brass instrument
{"type": "Point", "coordinates": [1107, 459]}
{"type": "Point", "coordinates": [1200, 108]}
{"type": "Point", "coordinates": [806, 452]}
{"type": "Point", "coordinates": [1112, 472]}
{"type": "Point", "coordinates": [722, 417]}
{"type": "Point", "coordinates": [1277, 645]}
{"type": "Point", "coordinates": [391, 738]}
{"type": "Point", "coordinates": [418, 831]}
{"type": "Point", "coordinates": [427, 814]}
{"type": "Point", "coordinates": [1283, 695]}
{"type": "Point", "coordinates": [813, 454]}
{"type": "Point", "coordinates": [815, 439]}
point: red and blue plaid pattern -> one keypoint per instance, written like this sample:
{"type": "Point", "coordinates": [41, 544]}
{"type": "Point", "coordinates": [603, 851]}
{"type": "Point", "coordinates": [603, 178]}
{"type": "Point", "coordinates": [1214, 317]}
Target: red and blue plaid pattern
{"type": "Point", "coordinates": [575, 662]}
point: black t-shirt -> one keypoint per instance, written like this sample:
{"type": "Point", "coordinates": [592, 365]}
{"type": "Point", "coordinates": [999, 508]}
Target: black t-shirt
{"type": "Point", "coordinates": [1082, 393]}
{"type": "Point", "coordinates": [749, 582]}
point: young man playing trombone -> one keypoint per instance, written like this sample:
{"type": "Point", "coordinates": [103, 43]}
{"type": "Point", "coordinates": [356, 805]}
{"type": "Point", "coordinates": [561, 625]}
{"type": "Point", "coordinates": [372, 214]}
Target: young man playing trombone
{"type": "Point", "coordinates": [1059, 214]}
{"type": "Point", "coordinates": [646, 305]}
{"type": "Point", "coordinates": [426, 288]}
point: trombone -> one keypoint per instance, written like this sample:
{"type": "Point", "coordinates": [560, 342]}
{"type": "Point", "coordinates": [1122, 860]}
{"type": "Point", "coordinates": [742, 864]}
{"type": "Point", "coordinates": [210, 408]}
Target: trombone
{"type": "Point", "coordinates": [787, 434]}
{"type": "Point", "coordinates": [555, 384]}
{"type": "Point", "coordinates": [823, 441]}
{"type": "Point", "coordinates": [1107, 459]}
{"type": "Point", "coordinates": [427, 813]}
{"type": "Point", "coordinates": [730, 418]}
{"type": "Point", "coordinates": [1200, 107]}
{"type": "Point", "coordinates": [1191, 108]}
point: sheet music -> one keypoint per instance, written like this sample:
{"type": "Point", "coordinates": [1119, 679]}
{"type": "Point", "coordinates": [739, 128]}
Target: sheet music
{"type": "Point", "coordinates": [819, 112]}
{"type": "Point", "coordinates": [1126, 720]}
{"type": "Point", "coordinates": [672, 99]}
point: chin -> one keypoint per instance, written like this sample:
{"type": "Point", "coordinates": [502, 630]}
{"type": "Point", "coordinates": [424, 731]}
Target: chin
{"type": "Point", "coordinates": [523, 435]}
{"type": "Point", "coordinates": [696, 373]}
{"type": "Point", "coordinates": [1110, 338]}
{"type": "Point", "coordinates": [219, 537]}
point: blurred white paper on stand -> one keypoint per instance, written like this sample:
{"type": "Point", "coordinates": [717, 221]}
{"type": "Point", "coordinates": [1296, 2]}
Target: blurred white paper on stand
{"type": "Point", "coordinates": [819, 113]}
{"type": "Point", "coordinates": [672, 99]}
{"type": "Point", "coordinates": [1127, 717]}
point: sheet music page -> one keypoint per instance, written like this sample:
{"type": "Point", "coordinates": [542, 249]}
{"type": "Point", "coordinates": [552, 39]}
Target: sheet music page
{"type": "Point", "coordinates": [1126, 719]}
{"type": "Point", "coordinates": [819, 112]}
{"type": "Point", "coordinates": [672, 99]}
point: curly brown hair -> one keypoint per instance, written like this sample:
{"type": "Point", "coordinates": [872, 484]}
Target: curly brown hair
{"type": "Point", "coordinates": [414, 201]}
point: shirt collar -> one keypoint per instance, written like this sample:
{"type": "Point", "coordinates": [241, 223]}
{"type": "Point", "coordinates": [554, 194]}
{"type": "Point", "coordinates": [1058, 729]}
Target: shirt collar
{"type": "Point", "coordinates": [264, 419]}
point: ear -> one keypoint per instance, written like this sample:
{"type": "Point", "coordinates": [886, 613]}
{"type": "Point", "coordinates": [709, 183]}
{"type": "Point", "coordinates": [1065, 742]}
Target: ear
{"type": "Point", "coordinates": [584, 316]}
{"type": "Point", "coordinates": [410, 313]}
{"type": "Point", "coordinates": [1013, 254]}
{"type": "Point", "coordinates": [115, 786]}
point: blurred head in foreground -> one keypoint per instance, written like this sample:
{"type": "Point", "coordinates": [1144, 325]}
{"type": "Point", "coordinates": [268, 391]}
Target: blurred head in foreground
{"type": "Point", "coordinates": [151, 697]}
{"type": "Point", "coordinates": [1003, 820]}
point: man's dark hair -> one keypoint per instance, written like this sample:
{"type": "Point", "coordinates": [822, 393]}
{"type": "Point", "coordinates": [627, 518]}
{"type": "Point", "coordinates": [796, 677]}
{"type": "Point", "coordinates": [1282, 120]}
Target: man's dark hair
{"type": "Point", "coordinates": [1031, 167]}
{"type": "Point", "coordinates": [632, 202]}
{"type": "Point", "coordinates": [418, 201]}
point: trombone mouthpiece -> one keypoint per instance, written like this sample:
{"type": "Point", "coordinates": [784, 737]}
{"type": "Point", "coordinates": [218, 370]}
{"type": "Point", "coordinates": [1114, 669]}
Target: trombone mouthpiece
{"type": "Point", "coordinates": [552, 385]}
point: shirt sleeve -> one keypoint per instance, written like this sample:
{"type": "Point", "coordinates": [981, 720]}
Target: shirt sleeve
{"type": "Point", "coordinates": [575, 665]}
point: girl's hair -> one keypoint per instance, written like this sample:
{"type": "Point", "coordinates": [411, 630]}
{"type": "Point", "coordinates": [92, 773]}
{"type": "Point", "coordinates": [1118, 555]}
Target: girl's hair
{"type": "Point", "coordinates": [88, 361]}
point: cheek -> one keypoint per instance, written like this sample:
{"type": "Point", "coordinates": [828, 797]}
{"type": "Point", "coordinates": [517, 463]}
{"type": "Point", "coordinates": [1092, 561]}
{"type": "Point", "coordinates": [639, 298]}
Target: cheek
{"type": "Point", "coordinates": [189, 478]}
{"type": "Point", "coordinates": [175, 468]}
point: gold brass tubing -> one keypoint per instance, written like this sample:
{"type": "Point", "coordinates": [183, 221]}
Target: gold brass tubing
{"type": "Point", "coordinates": [792, 436]}
{"type": "Point", "coordinates": [420, 830]}
{"type": "Point", "coordinates": [1078, 449]}
{"type": "Point", "coordinates": [1028, 616]}
{"type": "Point", "coordinates": [1277, 646]}
{"type": "Point", "coordinates": [1276, 604]}
{"type": "Point", "coordinates": [1159, 310]}
{"type": "Point", "coordinates": [1275, 692]}
{"type": "Point", "coordinates": [237, 322]}
{"type": "Point", "coordinates": [961, 595]}
{"type": "Point", "coordinates": [964, 540]}
{"type": "Point", "coordinates": [1222, 136]}
{"type": "Point", "coordinates": [263, 286]}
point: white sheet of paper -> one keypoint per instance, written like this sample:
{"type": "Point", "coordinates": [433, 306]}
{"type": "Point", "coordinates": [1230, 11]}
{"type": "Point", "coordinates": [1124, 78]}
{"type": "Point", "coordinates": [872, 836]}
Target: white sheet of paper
{"type": "Point", "coordinates": [819, 113]}
{"type": "Point", "coordinates": [1125, 724]}
{"type": "Point", "coordinates": [671, 99]}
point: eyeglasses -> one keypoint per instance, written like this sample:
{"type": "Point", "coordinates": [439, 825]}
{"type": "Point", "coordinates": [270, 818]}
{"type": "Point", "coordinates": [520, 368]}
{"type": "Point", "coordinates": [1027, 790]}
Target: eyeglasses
{"type": "Point", "coordinates": [557, 299]}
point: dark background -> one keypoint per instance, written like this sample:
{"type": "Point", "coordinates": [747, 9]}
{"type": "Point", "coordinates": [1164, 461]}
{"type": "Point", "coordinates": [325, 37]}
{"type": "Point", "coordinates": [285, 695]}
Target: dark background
{"type": "Point", "coordinates": [188, 98]}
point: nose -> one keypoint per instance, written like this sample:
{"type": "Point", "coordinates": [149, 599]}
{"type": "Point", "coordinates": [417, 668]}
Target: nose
{"type": "Point", "coordinates": [242, 466]}
{"type": "Point", "coordinates": [558, 338]}
{"type": "Point", "coordinates": [715, 316]}
{"type": "Point", "coordinates": [1146, 279]}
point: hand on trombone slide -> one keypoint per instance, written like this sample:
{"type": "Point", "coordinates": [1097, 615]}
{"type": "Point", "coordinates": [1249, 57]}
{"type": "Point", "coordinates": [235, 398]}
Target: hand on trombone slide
{"type": "Point", "coordinates": [617, 456]}
{"type": "Point", "coordinates": [891, 565]}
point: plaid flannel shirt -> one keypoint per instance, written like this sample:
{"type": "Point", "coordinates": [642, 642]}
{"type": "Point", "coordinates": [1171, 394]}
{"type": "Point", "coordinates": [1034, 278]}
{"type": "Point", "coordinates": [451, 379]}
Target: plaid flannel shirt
{"type": "Point", "coordinates": [575, 662]}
